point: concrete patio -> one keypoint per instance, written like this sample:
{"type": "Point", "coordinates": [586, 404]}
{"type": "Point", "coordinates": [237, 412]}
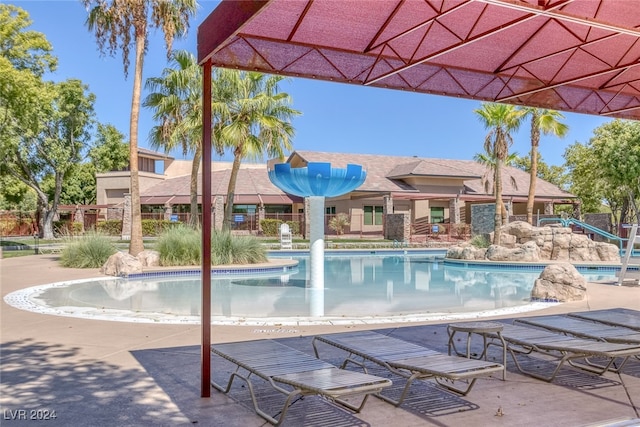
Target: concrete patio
{"type": "Point", "coordinates": [100, 373]}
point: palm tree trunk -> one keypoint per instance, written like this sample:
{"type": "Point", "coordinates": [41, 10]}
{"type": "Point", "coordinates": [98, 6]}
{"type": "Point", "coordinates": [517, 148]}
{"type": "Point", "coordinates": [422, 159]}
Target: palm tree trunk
{"type": "Point", "coordinates": [194, 221]}
{"type": "Point", "coordinates": [499, 203]}
{"type": "Point", "coordinates": [136, 245]}
{"type": "Point", "coordinates": [228, 209]}
{"type": "Point", "coordinates": [533, 173]}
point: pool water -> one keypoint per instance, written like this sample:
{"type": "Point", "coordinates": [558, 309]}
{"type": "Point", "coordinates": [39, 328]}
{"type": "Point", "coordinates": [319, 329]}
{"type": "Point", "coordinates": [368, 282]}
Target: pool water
{"type": "Point", "coordinates": [356, 286]}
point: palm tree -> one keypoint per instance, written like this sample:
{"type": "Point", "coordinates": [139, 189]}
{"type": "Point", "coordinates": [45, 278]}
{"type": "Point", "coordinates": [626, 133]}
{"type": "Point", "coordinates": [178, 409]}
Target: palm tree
{"type": "Point", "coordinates": [487, 160]}
{"type": "Point", "coordinates": [255, 121]}
{"type": "Point", "coordinates": [501, 120]}
{"type": "Point", "coordinates": [547, 122]}
{"type": "Point", "coordinates": [117, 24]}
{"type": "Point", "coordinates": [176, 99]}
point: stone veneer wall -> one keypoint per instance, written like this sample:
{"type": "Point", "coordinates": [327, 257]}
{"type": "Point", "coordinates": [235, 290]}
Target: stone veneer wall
{"type": "Point", "coordinates": [601, 221]}
{"type": "Point", "coordinates": [482, 218]}
{"type": "Point", "coordinates": [114, 213]}
{"type": "Point", "coordinates": [397, 227]}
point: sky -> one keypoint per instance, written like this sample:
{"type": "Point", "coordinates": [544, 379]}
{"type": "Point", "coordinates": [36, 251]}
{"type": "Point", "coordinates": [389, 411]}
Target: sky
{"type": "Point", "coordinates": [335, 117]}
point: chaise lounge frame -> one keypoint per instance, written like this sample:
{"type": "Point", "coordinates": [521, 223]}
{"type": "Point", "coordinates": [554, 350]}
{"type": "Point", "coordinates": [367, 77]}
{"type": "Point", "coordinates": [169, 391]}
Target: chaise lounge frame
{"type": "Point", "coordinates": [293, 373]}
{"type": "Point", "coordinates": [626, 318]}
{"type": "Point", "coordinates": [408, 360]}
{"type": "Point", "coordinates": [563, 348]}
{"type": "Point", "coordinates": [583, 328]}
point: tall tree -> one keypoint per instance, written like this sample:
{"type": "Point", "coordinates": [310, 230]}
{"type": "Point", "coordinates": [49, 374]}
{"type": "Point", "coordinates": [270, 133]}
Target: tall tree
{"type": "Point", "coordinates": [25, 56]}
{"type": "Point", "coordinates": [501, 120]}
{"type": "Point", "coordinates": [109, 152]}
{"type": "Point", "coordinates": [588, 181]}
{"type": "Point", "coordinates": [16, 196]}
{"type": "Point", "coordinates": [53, 148]}
{"type": "Point", "coordinates": [117, 24]}
{"type": "Point", "coordinates": [78, 185]}
{"type": "Point", "coordinates": [176, 101]}
{"type": "Point", "coordinates": [617, 145]}
{"type": "Point", "coordinates": [256, 121]}
{"type": "Point", "coordinates": [547, 122]}
{"type": "Point", "coordinates": [488, 161]}
{"type": "Point", "coordinates": [556, 175]}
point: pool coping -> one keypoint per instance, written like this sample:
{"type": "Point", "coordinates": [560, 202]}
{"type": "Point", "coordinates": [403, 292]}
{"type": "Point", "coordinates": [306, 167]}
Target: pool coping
{"type": "Point", "coordinates": [21, 299]}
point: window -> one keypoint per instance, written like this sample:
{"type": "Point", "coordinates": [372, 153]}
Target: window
{"type": "Point", "coordinates": [277, 209]}
{"type": "Point", "coordinates": [437, 215]}
{"type": "Point", "coordinates": [246, 209]}
{"type": "Point", "coordinates": [330, 210]}
{"type": "Point", "coordinates": [372, 215]}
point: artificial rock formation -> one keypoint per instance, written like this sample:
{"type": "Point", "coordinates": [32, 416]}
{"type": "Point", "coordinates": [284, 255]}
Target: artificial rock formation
{"type": "Point", "coordinates": [149, 258]}
{"type": "Point", "coordinates": [523, 242]}
{"type": "Point", "coordinates": [559, 282]}
{"type": "Point", "coordinates": [121, 264]}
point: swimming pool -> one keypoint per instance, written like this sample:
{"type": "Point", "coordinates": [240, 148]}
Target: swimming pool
{"type": "Point", "coordinates": [365, 287]}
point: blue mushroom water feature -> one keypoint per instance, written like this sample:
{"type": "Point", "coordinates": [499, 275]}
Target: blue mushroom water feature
{"type": "Point", "coordinates": [315, 182]}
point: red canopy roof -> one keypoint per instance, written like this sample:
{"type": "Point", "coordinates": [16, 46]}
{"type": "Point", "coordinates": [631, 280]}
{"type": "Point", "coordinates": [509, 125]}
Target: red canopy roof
{"type": "Point", "coordinates": [570, 55]}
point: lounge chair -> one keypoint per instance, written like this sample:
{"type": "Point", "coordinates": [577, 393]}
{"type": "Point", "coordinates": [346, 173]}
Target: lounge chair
{"type": "Point", "coordinates": [293, 373]}
{"type": "Point", "coordinates": [527, 340]}
{"type": "Point", "coordinates": [626, 318]}
{"type": "Point", "coordinates": [583, 328]}
{"type": "Point", "coordinates": [410, 361]}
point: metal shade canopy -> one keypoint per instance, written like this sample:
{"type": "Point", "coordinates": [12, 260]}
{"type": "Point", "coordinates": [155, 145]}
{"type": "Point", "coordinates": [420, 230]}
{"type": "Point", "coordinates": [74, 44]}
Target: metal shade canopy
{"type": "Point", "coordinates": [570, 55]}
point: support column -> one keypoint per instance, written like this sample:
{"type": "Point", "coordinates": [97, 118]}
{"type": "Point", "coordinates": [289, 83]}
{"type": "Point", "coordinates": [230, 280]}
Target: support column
{"type": "Point", "coordinates": [168, 211]}
{"type": "Point", "coordinates": [548, 208]}
{"type": "Point", "coordinates": [307, 219]}
{"type": "Point", "coordinates": [387, 209]}
{"type": "Point", "coordinates": [508, 205]}
{"type": "Point", "coordinates": [454, 210]}
{"type": "Point", "coordinates": [261, 215]}
{"type": "Point", "coordinates": [316, 255]}
{"type": "Point", "coordinates": [78, 217]}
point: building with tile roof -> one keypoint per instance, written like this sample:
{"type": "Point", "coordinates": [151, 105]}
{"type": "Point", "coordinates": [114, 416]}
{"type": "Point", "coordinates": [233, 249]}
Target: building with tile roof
{"type": "Point", "coordinates": [425, 190]}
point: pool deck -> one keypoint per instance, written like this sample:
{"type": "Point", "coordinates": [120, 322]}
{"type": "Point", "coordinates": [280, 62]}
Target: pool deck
{"type": "Point", "coordinates": [104, 373]}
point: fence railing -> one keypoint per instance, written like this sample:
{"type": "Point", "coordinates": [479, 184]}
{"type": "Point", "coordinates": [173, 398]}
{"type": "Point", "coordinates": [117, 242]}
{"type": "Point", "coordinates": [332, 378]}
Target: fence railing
{"type": "Point", "coordinates": [357, 226]}
{"type": "Point", "coordinates": [424, 230]}
{"type": "Point", "coordinates": [14, 224]}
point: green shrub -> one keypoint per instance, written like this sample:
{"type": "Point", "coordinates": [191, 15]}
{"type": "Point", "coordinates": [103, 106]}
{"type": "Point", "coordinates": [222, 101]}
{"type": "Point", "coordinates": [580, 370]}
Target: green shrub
{"type": "Point", "coordinates": [90, 251]}
{"type": "Point", "coordinates": [480, 241]}
{"type": "Point", "coordinates": [271, 227]}
{"type": "Point", "coordinates": [229, 249]}
{"type": "Point", "coordinates": [339, 222]}
{"type": "Point", "coordinates": [155, 227]}
{"type": "Point", "coordinates": [67, 228]}
{"type": "Point", "coordinates": [179, 245]}
{"type": "Point", "coordinates": [294, 226]}
{"type": "Point", "coordinates": [111, 227]}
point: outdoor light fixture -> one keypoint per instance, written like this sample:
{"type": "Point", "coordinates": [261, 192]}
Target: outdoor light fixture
{"type": "Point", "coordinates": [315, 182]}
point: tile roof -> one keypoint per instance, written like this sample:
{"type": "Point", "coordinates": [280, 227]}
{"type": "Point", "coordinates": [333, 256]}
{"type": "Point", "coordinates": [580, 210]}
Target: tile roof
{"type": "Point", "coordinates": [250, 181]}
{"type": "Point", "coordinates": [382, 169]}
{"type": "Point", "coordinates": [383, 176]}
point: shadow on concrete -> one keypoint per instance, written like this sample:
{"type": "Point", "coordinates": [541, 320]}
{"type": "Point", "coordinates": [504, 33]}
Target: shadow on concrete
{"type": "Point", "coordinates": [177, 371]}
{"type": "Point", "coordinates": [49, 383]}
